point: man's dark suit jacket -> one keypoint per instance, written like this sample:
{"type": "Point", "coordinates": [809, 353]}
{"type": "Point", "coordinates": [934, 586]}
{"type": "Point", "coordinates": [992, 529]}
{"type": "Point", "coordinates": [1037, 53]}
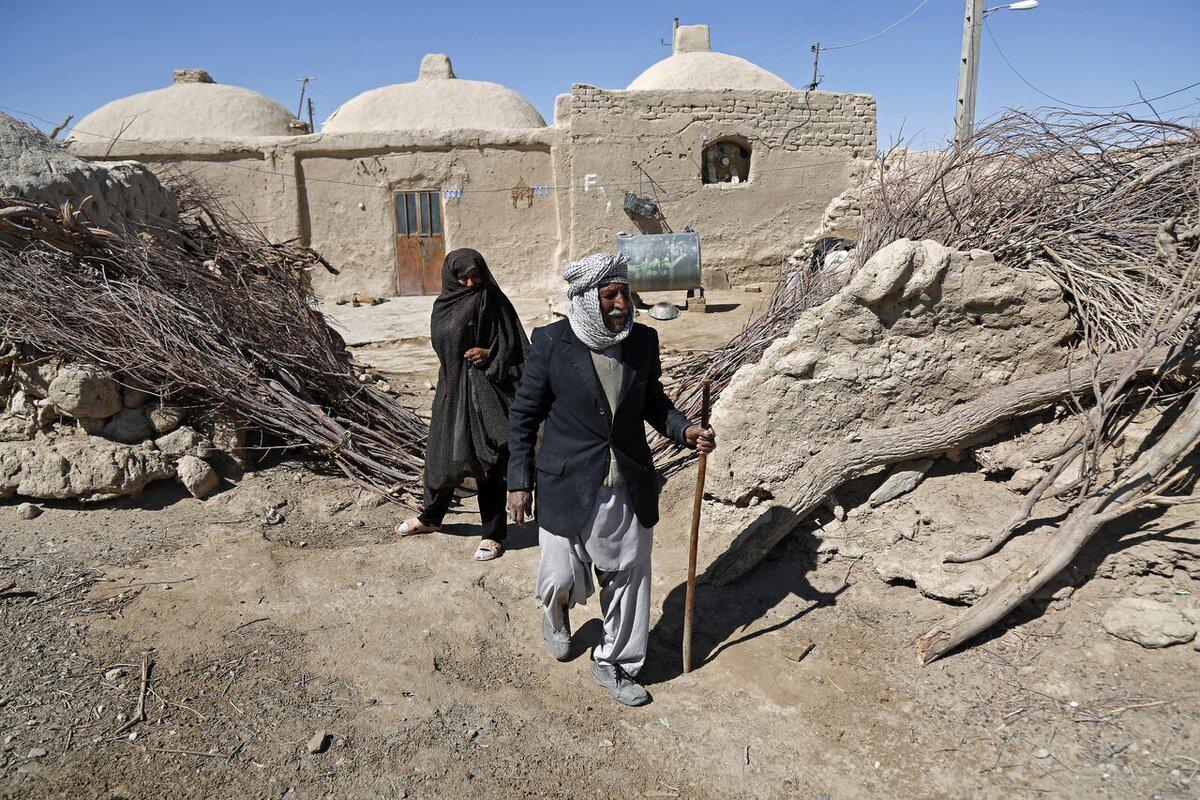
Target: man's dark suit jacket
{"type": "Point", "coordinates": [560, 387]}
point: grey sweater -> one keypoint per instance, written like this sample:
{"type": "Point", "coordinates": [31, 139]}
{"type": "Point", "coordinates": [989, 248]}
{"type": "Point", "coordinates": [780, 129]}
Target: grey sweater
{"type": "Point", "coordinates": [608, 370]}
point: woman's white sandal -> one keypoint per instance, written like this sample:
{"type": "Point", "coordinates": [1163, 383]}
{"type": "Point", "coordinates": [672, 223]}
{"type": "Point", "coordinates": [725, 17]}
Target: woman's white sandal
{"type": "Point", "coordinates": [488, 550]}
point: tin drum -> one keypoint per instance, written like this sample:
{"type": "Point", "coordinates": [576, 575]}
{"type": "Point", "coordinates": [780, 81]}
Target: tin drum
{"type": "Point", "coordinates": [662, 262]}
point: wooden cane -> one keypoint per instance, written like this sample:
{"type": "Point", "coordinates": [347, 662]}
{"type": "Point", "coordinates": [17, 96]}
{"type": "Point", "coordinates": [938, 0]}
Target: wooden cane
{"type": "Point", "coordinates": [689, 602]}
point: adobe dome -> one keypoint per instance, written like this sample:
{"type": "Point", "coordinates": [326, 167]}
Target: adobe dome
{"type": "Point", "coordinates": [692, 65]}
{"type": "Point", "coordinates": [435, 100]}
{"type": "Point", "coordinates": [193, 106]}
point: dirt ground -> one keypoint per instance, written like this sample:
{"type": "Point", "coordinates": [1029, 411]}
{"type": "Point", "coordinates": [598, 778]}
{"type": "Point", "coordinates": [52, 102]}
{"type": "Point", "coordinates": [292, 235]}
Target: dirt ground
{"type": "Point", "coordinates": [426, 670]}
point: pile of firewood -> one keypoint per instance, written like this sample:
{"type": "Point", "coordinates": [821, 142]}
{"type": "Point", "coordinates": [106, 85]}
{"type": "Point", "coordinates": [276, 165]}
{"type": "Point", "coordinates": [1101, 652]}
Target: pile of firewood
{"type": "Point", "coordinates": [1083, 197]}
{"type": "Point", "coordinates": [208, 314]}
{"type": "Point", "coordinates": [1109, 207]}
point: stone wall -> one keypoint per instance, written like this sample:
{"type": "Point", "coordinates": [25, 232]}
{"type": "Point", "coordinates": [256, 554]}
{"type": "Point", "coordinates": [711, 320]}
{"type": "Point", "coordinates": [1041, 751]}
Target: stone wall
{"type": "Point", "coordinates": [34, 167]}
{"type": "Point", "coordinates": [806, 148]}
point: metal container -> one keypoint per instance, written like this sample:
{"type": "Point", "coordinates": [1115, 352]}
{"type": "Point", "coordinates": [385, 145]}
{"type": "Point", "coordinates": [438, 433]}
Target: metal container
{"type": "Point", "coordinates": [662, 261]}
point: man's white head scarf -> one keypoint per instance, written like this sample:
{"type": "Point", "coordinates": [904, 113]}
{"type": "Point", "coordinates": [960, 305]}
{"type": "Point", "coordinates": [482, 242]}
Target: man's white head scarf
{"type": "Point", "coordinates": [583, 278]}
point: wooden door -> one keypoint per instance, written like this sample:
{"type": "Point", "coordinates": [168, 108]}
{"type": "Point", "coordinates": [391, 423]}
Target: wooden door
{"type": "Point", "coordinates": [420, 244]}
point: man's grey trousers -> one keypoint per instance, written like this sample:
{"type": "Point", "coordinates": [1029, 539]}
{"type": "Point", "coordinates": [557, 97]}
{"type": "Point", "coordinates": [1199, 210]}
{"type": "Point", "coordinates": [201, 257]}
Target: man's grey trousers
{"type": "Point", "coordinates": [616, 545]}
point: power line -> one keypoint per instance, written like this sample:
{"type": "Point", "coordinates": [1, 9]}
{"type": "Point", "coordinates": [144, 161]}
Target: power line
{"type": "Point", "coordinates": [905, 18]}
{"type": "Point", "coordinates": [828, 23]}
{"type": "Point", "coordinates": [1049, 96]}
{"type": "Point", "coordinates": [781, 43]}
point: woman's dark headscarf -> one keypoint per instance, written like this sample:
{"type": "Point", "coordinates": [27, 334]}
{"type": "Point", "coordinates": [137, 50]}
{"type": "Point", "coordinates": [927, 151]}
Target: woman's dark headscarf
{"type": "Point", "coordinates": [468, 430]}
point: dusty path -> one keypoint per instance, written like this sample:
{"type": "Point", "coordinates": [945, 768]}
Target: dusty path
{"type": "Point", "coordinates": [426, 670]}
{"type": "Point", "coordinates": [427, 673]}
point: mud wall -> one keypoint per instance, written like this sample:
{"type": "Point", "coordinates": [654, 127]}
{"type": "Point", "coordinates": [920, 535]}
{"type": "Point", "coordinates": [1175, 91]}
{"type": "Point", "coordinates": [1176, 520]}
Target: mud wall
{"type": "Point", "coordinates": [806, 148]}
{"type": "Point", "coordinates": [488, 204]}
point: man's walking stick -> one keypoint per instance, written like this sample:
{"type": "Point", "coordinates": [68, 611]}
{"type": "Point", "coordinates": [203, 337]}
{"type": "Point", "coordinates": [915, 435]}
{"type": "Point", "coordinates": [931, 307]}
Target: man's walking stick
{"type": "Point", "coordinates": [689, 602]}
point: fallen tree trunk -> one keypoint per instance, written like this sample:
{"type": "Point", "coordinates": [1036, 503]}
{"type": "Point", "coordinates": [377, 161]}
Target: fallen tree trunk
{"type": "Point", "coordinates": [1144, 478]}
{"type": "Point", "coordinates": [964, 426]}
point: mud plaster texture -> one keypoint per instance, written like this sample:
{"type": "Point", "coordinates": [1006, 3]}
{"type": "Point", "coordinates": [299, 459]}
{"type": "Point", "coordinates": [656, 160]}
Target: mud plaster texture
{"type": "Point", "coordinates": [806, 148]}
{"type": "Point", "coordinates": [34, 167]}
{"type": "Point", "coordinates": [525, 195]}
{"type": "Point", "coordinates": [919, 329]}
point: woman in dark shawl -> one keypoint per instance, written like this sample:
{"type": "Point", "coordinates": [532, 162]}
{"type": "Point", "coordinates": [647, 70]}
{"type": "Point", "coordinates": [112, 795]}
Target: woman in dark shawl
{"type": "Point", "coordinates": [481, 345]}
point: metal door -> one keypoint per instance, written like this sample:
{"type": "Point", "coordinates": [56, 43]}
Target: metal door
{"type": "Point", "coordinates": [420, 244]}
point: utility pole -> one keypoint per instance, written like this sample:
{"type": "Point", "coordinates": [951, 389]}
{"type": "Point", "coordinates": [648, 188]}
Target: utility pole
{"type": "Point", "coordinates": [311, 129]}
{"type": "Point", "coordinates": [816, 51]}
{"type": "Point", "coordinates": [968, 73]}
{"type": "Point", "coordinates": [303, 85]}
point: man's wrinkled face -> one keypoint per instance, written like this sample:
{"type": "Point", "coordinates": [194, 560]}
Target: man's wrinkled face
{"type": "Point", "coordinates": [615, 305]}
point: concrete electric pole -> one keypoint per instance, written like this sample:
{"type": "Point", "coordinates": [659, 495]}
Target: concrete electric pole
{"type": "Point", "coordinates": [968, 73]}
{"type": "Point", "coordinates": [968, 65]}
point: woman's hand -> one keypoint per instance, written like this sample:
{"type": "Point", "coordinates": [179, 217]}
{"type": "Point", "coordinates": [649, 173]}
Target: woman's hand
{"type": "Point", "coordinates": [703, 439]}
{"type": "Point", "coordinates": [478, 357]}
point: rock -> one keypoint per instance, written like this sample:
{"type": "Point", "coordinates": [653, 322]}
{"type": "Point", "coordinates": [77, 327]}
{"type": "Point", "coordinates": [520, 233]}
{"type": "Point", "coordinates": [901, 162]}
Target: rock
{"type": "Point", "coordinates": [35, 167]}
{"type": "Point", "coordinates": [184, 441]}
{"type": "Point", "coordinates": [1025, 479]}
{"type": "Point", "coordinates": [92, 426]}
{"type": "Point", "coordinates": [129, 426]}
{"type": "Point", "coordinates": [901, 480]}
{"type": "Point", "coordinates": [367, 500]}
{"type": "Point", "coordinates": [134, 398]}
{"type": "Point", "coordinates": [34, 376]}
{"type": "Point", "coordinates": [28, 511]}
{"type": "Point", "coordinates": [82, 468]}
{"type": "Point", "coordinates": [1149, 623]}
{"type": "Point", "coordinates": [165, 419]}
{"type": "Point", "coordinates": [932, 579]}
{"type": "Point", "coordinates": [229, 439]}
{"type": "Point", "coordinates": [919, 330]}
{"type": "Point", "coordinates": [114, 674]}
{"type": "Point", "coordinates": [37, 752]}
{"type": "Point", "coordinates": [319, 742]}
{"type": "Point", "coordinates": [197, 476]}
{"type": "Point", "coordinates": [85, 392]}
{"type": "Point", "coordinates": [20, 421]}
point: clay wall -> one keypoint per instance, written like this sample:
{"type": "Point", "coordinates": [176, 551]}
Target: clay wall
{"type": "Point", "coordinates": [334, 193]}
{"type": "Point", "coordinates": [806, 148]}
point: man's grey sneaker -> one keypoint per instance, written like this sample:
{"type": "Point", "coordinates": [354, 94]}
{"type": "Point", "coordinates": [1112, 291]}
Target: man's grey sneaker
{"type": "Point", "coordinates": [620, 684]}
{"type": "Point", "coordinates": [558, 643]}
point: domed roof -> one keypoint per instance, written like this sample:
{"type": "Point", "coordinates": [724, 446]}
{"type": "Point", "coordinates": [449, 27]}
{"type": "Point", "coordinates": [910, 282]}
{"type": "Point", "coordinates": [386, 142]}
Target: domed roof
{"type": "Point", "coordinates": [435, 100]}
{"type": "Point", "coordinates": [693, 65]}
{"type": "Point", "coordinates": [193, 106]}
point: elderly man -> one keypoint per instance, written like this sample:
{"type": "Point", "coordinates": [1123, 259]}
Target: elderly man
{"type": "Point", "coordinates": [593, 379]}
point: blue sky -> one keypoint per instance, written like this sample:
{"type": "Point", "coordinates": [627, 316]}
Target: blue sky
{"type": "Point", "coordinates": [70, 56]}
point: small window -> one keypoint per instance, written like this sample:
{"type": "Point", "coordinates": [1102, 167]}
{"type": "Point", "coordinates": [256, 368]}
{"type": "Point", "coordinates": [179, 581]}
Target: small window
{"type": "Point", "coordinates": [726, 161]}
{"type": "Point", "coordinates": [418, 213]}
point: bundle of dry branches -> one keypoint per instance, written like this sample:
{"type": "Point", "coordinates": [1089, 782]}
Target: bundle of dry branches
{"type": "Point", "coordinates": [1080, 196]}
{"type": "Point", "coordinates": [1109, 206]}
{"type": "Point", "coordinates": [209, 314]}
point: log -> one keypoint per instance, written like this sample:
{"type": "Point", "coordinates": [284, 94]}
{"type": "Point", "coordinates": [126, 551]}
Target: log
{"type": "Point", "coordinates": [963, 426]}
{"type": "Point", "coordinates": [1138, 485]}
